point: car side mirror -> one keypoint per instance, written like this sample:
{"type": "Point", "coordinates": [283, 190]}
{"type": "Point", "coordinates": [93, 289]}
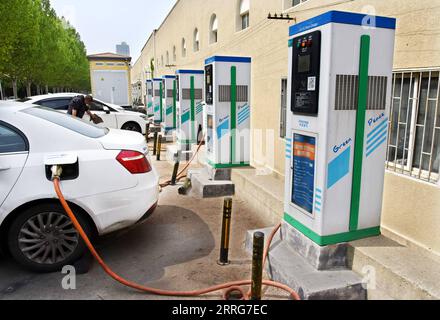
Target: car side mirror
{"type": "Point", "coordinates": [106, 110]}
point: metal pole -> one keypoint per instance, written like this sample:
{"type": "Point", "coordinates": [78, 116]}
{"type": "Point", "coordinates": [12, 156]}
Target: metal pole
{"type": "Point", "coordinates": [226, 231]}
{"type": "Point", "coordinates": [159, 147]}
{"type": "Point", "coordinates": [155, 144]}
{"type": "Point", "coordinates": [147, 131]}
{"type": "Point", "coordinates": [176, 168]}
{"type": "Point", "coordinates": [257, 266]}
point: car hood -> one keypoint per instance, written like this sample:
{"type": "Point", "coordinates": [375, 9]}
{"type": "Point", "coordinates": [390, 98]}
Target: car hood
{"type": "Point", "coordinates": [124, 140]}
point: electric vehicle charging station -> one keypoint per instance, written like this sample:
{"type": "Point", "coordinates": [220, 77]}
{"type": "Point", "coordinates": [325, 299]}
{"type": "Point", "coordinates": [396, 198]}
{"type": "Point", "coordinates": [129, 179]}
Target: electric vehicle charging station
{"type": "Point", "coordinates": [189, 107]}
{"type": "Point", "coordinates": [340, 75]}
{"type": "Point", "coordinates": [228, 110]}
{"type": "Point", "coordinates": [157, 100]}
{"type": "Point", "coordinates": [169, 117]}
{"type": "Point", "coordinates": [149, 102]}
{"type": "Point", "coordinates": [339, 96]}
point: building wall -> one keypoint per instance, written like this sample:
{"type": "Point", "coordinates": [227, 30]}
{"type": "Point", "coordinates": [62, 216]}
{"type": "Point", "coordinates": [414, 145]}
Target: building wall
{"type": "Point", "coordinates": [417, 45]}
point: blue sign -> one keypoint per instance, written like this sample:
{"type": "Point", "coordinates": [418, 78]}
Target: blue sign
{"type": "Point", "coordinates": [304, 151]}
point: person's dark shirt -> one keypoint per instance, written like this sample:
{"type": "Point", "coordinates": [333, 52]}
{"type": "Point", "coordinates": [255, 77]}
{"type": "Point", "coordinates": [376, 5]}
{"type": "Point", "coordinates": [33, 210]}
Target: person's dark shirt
{"type": "Point", "coordinates": [78, 103]}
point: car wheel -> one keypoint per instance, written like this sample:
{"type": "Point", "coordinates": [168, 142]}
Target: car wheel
{"type": "Point", "coordinates": [132, 126]}
{"type": "Point", "coordinates": [44, 239]}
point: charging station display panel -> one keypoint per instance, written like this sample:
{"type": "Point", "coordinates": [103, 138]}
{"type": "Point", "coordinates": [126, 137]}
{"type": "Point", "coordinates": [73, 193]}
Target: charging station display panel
{"type": "Point", "coordinates": [306, 69]}
{"type": "Point", "coordinates": [304, 155]}
{"type": "Point", "coordinates": [209, 80]}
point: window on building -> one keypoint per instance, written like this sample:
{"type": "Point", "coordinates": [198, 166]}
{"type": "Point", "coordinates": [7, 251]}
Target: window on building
{"type": "Point", "coordinates": [168, 58]}
{"type": "Point", "coordinates": [196, 40]}
{"type": "Point", "coordinates": [174, 54]}
{"type": "Point", "coordinates": [244, 14]}
{"type": "Point", "coordinates": [213, 28]}
{"type": "Point", "coordinates": [161, 60]}
{"type": "Point", "coordinates": [414, 141]}
{"type": "Point", "coordinates": [183, 48]}
{"type": "Point", "coordinates": [283, 112]}
{"type": "Point", "coordinates": [292, 3]}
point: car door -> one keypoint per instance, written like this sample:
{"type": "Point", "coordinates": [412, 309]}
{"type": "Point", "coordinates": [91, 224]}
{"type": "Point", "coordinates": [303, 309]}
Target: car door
{"type": "Point", "coordinates": [14, 150]}
{"type": "Point", "coordinates": [107, 114]}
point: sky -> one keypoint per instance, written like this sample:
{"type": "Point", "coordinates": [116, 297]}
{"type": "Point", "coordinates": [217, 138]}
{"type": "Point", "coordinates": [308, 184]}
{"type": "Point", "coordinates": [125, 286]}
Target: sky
{"type": "Point", "coordinates": [104, 23]}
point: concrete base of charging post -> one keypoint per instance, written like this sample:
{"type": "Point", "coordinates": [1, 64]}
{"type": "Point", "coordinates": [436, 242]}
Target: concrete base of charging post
{"type": "Point", "coordinates": [206, 183]}
{"type": "Point", "coordinates": [316, 273]}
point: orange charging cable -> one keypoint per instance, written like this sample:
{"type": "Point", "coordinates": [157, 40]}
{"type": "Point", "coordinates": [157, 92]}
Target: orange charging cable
{"type": "Point", "coordinates": [228, 287]}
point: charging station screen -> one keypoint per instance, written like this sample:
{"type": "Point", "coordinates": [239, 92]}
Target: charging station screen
{"type": "Point", "coordinates": [304, 63]}
{"type": "Point", "coordinates": [304, 150]}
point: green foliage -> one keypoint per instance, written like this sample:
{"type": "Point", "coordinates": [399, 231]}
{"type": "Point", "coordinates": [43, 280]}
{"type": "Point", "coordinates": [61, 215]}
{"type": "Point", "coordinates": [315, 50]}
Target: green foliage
{"type": "Point", "coordinates": [38, 47]}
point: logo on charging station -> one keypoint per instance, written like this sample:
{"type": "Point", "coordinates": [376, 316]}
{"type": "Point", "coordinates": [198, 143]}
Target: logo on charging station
{"type": "Point", "coordinates": [303, 124]}
{"type": "Point", "coordinates": [374, 120]}
{"type": "Point", "coordinates": [338, 148]}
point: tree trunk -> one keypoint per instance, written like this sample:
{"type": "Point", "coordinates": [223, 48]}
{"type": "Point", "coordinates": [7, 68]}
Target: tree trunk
{"type": "Point", "coordinates": [47, 89]}
{"type": "Point", "coordinates": [14, 88]}
{"type": "Point", "coordinates": [38, 90]}
{"type": "Point", "coordinates": [28, 89]}
{"type": "Point", "coordinates": [1, 91]}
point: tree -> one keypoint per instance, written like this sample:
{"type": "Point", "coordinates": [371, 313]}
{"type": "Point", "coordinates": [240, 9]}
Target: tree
{"type": "Point", "coordinates": [40, 48]}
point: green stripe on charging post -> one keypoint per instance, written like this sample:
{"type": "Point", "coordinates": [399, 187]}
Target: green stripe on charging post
{"type": "Point", "coordinates": [233, 112]}
{"type": "Point", "coordinates": [193, 109]}
{"type": "Point", "coordinates": [174, 104]}
{"type": "Point", "coordinates": [360, 132]}
{"type": "Point", "coordinates": [161, 102]}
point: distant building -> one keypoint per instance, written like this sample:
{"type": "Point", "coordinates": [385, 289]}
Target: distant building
{"type": "Point", "coordinates": [123, 49]}
{"type": "Point", "coordinates": [110, 78]}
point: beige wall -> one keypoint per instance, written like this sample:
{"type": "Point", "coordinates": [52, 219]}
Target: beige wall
{"type": "Point", "coordinates": [417, 45]}
{"type": "Point", "coordinates": [411, 209]}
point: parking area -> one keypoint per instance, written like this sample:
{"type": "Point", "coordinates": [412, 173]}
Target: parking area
{"type": "Point", "coordinates": [177, 248]}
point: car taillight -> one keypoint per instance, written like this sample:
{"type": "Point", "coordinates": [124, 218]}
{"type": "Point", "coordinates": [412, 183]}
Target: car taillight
{"type": "Point", "coordinates": [135, 162]}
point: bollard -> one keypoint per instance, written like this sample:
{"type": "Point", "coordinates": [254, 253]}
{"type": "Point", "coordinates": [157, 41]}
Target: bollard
{"type": "Point", "coordinates": [155, 144]}
{"type": "Point", "coordinates": [159, 147]}
{"type": "Point", "coordinates": [176, 168]}
{"type": "Point", "coordinates": [257, 266]}
{"type": "Point", "coordinates": [184, 189]}
{"type": "Point", "coordinates": [226, 231]}
{"type": "Point", "coordinates": [147, 131]}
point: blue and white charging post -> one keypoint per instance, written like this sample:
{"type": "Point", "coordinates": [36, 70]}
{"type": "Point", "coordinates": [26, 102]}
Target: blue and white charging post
{"type": "Point", "coordinates": [157, 101]}
{"type": "Point", "coordinates": [339, 95]}
{"type": "Point", "coordinates": [228, 111]}
{"type": "Point", "coordinates": [340, 74]}
{"type": "Point", "coordinates": [169, 106]}
{"type": "Point", "coordinates": [149, 102]}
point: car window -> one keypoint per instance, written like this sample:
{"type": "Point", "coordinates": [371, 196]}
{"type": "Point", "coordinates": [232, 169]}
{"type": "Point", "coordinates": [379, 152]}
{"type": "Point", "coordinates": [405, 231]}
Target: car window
{"type": "Point", "coordinates": [67, 121]}
{"type": "Point", "coordinates": [11, 140]}
{"type": "Point", "coordinates": [98, 106]}
{"type": "Point", "coordinates": [57, 104]}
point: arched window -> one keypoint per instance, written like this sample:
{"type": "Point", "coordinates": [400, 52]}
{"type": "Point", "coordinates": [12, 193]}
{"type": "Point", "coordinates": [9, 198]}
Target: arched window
{"type": "Point", "coordinates": [213, 29]}
{"type": "Point", "coordinates": [243, 14]}
{"type": "Point", "coordinates": [168, 58]}
{"type": "Point", "coordinates": [161, 61]}
{"type": "Point", "coordinates": [183, 47]}
{"type": "Point", "coordinates": [174, 54]}
{"type": "Point", "coordinates": [196, 40]}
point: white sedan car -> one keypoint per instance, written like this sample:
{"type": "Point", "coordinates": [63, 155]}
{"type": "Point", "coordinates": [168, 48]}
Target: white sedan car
{"type": "Point", "coordinates": [107, 178]}
{"type": "Point", "coordinates": [113, 116]}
